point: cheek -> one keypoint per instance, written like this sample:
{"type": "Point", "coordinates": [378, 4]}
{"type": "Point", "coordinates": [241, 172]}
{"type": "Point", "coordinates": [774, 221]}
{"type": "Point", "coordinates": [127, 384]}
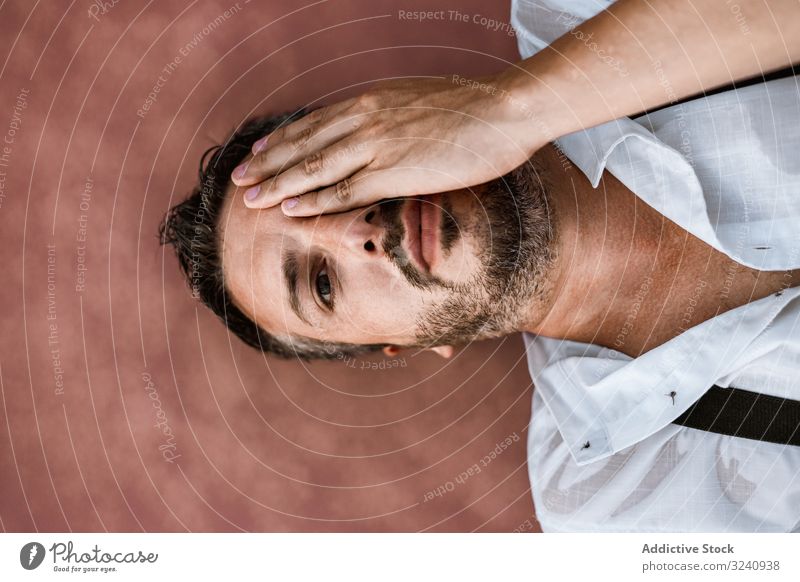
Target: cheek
{"type": "Point", "coordinates": [382, 309]}
{"type": "Point", "coordinates": [461, 262]}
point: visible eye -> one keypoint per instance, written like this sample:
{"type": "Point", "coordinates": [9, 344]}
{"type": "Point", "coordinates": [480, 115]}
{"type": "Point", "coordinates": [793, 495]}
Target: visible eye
{"type": "Point", "coordinates": [323, 285]}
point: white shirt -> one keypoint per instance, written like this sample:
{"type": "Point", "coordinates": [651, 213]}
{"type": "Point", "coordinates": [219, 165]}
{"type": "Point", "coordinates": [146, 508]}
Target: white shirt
{"type": "Point", "coordinates": [727, 169]}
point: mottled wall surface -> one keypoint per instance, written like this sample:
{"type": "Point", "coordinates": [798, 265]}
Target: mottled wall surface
{"type": "Point", "coordinates": [126, 406]}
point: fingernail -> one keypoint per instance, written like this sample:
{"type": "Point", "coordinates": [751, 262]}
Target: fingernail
{"type": "Point", "coordinates": [251, 193]}
{"type": "Point", "coordinates": [290, 203]}
{"type": "Point", "coordinates": [238, 172]}
{"type": "Point", "coordinates": [259, 145]}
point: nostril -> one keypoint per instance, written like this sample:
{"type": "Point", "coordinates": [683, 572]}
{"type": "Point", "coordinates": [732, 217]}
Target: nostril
{"type": "Point", "coordinates": [369, 246]}
{"type": "Point", "coordinates": [370, 215]}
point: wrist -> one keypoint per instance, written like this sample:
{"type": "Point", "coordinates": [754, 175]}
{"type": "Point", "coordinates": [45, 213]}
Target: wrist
{"type": "Point", "coordinates": [529, 103]}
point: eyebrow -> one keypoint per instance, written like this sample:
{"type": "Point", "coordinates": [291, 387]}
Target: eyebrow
{"type": "Point", "coordinates": [291, 268]}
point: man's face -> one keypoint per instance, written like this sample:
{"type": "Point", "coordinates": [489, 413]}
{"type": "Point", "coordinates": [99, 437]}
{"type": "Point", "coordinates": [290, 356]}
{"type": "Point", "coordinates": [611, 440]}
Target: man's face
{"type": "Point", "coordinates": [431, 270]}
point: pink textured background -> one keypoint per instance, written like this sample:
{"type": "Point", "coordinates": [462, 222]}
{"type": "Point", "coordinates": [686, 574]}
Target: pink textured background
{"type": "Point", "coordinates": [263, 445]}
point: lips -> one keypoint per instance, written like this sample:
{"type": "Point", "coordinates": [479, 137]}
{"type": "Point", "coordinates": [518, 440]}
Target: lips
{"type": "Point", "coordinates": [421, 217]}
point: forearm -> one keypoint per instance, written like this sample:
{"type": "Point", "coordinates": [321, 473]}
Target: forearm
{"type": "Point", "coordinates": [642, 54]}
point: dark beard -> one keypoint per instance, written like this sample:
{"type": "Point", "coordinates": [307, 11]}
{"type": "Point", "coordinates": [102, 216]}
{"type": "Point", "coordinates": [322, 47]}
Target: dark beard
{"type": "Point", "coordinates": [517, 237]}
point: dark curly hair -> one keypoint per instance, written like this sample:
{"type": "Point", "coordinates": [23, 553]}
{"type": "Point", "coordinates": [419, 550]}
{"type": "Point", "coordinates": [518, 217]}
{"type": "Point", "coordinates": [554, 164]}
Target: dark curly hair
{"type": "Point", "coordinates": [191, 227]}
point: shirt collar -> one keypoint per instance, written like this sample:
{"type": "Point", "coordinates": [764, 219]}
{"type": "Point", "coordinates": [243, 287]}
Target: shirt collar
{"type": "Point", "coordinates": [604, 401]}
{"type": "Point", "coordinates": [589, 149]}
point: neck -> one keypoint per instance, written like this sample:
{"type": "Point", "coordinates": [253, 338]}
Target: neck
{"type": "Point", "coordinates": [624, 276]}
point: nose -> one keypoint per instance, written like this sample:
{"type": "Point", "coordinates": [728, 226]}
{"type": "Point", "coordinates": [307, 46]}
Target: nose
{"type": "Point", "coordinates": [357, 232]}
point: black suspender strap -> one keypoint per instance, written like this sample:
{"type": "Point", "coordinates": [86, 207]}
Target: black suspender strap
{"type": "Point", "coordinates": [745, 414]}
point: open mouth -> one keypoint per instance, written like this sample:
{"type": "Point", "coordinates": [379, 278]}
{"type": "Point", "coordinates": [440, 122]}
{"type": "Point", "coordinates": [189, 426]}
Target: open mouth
{"type": "Point", "coordinates": [421, 219]}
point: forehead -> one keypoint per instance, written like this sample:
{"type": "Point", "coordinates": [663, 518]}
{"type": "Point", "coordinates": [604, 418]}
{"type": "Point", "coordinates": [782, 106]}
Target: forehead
{"type": "Point", "coordinates": [252, 243]}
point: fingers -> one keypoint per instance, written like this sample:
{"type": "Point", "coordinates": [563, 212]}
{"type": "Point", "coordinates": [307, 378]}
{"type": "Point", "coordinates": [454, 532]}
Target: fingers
{"type": "Point", "coordinates": [323, 168]}
{"type": "Point", "coordinates": [306, 146]}
{"type": "Point", "coordinates": [290, 143]}
{"type": "Point", "coordinates": [359, 190]}
{"type": "Point", "coordinates": [290, 130]}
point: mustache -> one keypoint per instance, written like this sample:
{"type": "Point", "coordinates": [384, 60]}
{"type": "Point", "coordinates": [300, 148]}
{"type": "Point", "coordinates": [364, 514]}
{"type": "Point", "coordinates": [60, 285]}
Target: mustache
{"type": "Point", "coordinates": [392, 244]}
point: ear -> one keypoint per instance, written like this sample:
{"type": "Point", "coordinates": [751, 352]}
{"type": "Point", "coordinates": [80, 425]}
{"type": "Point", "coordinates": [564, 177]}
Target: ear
{"type": "Point", "coordinates": [444, 351]}
{"type": "Point", "coordinates": [390, 351]}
